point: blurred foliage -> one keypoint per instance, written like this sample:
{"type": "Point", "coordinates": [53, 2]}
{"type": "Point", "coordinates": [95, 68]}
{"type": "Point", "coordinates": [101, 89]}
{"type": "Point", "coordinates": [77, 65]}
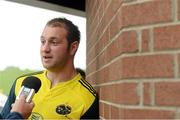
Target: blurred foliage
{"type": "Point", "coordinates": [8, 76]}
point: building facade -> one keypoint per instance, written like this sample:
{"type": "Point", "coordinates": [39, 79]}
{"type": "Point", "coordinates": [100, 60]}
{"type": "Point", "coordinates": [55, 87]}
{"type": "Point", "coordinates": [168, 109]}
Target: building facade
{"type": "Point", "coordinates": [133, 57]}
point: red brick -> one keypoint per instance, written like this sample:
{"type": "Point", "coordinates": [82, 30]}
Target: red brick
{"type": "Point", "coordinates": [101, 9]}
{"type": "Point", "coordinates": [114, 71]}
{"type": "Point", "coordinates": [107, 111]}
{"type": "Point", "coordinates": [101, 61]}
{"type": "Point", "coordinates": [105, 74]}
{"type": "Point", "coordinates": [124, 93]}
{"type": "Point", "coordinates": [126, 1]}
{"type": "Point", "coordinates": [89, 43]}
{"type": "Point", "coordinates": [94, 24]}
{"type": "Point", "coordinates": [150, 12]}
{"type": "Point", "coordinates": [115, 5]}
{"type": "Point", "coordinates": [146, 94]}
{"type": "Point", "coordinates": [167, 93]}
{"type": "Point", "coordinates": [111, 10]}
{"type": "Point", "coordinates": [93, 50]}
{"type": "Point", "coordinates": [101, 109]}
{"type": "Point", "coordinates": [99, 3]}
{"type": "Point", "coordinates": [101, 44]}
{"type": "Point", "coordinates": [91, 67]}
{"type": "Point", "coordinates": [91, 54]}
{"type": "Point", "coordinates": [92, 78]}
{"type": "Point", "coordinates": [114, 112]}
{"type": "Point", "coordinates": [115, 25]}
{"type": "Point", "coordinates": [100, 33]}
{"type": "Point", "coordinates": [94, 10]}
{"type": "Point", "coordinates": [151, 66]}
{"type": "Point", "coordinates": [89, 4]}
{"type": "Point", "coordinates": [179, 63]}
{"type": "Point", "coordinates": [166, 38]}
{"type": "Point", "coordinates": [128, 42]}
{"type": "Point", "coordinates": [97, 89]}
{"type": "Point", "coordinates": [102, 25]}
{"type": "Point", "coordinates": [91, 13]}
{"type": "Point", "coordinates": [96, 64]}
{"type": "Point", "coordinates": [145, 40]}
{"type": "Point", "coordinates": [106, 3]}
{"type": "Point", "coordinates": [105, 93]}
{"type": "Point", "coordinates": [178, 9]}
{"type": "Point", "coordinates": [146, 114]}
{"type": "Point", "coordinates": [99, 77]}
{"type": "Point", "coordinates": [92, 38]}
{"type": "Point", "coordinates": [125, 43]}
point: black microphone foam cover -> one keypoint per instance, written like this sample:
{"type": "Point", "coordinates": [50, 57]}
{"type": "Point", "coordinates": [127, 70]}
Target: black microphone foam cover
{"type": "Point", "coordinates": [32, 82]}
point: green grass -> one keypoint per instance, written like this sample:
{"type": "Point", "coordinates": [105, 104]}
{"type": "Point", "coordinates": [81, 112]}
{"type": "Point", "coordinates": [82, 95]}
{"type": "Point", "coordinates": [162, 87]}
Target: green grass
{"type": "Point", "coordinates": [8, 76]}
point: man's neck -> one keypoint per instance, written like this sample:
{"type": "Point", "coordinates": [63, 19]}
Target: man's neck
{"type": "Point", "coordinates": [61, 76]}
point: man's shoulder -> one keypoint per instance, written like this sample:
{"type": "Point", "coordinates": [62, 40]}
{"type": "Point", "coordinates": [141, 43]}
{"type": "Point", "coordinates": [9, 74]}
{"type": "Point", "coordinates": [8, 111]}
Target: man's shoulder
{"type": "Point", "coordinates": [37, 73]}
{"type": "Point", "coordinates": [89, 97]}
{"type": "Point", "coordinates": [87, 86]}
{"type": "Point", "coordinates": [21, 78]}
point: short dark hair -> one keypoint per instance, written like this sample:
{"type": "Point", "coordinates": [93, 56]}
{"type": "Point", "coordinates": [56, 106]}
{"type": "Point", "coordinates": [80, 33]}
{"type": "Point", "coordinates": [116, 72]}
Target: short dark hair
{"type": "Point", "coordinates": [73, 33]}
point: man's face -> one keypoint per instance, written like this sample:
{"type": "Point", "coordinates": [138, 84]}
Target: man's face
{"type": "Point", "coordinates": [54, 47]}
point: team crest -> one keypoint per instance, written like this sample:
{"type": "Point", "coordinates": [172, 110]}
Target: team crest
{"type": "Point", "coordinates": [63, 109]}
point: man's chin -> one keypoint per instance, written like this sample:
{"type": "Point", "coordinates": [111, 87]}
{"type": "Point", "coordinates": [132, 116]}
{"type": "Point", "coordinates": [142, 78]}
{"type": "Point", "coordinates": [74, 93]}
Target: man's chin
{"type": "Point", "coordinates": [47, 66]}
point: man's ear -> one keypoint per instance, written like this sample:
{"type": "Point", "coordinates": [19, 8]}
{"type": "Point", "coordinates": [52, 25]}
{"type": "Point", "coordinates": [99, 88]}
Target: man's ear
{"type": "Point", "coordinates": [74, 47]}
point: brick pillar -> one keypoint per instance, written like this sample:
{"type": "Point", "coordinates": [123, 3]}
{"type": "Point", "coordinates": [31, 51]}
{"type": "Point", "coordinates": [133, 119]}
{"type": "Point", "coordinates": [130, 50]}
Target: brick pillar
{"type": "Point", "coordinates": [133, 57]}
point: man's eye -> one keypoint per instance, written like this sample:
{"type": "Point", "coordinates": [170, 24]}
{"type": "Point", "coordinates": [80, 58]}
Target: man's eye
{"type": "Point", "coordinates": [42, 41]}
{"type": "Point", "coordinates": [54, 43]}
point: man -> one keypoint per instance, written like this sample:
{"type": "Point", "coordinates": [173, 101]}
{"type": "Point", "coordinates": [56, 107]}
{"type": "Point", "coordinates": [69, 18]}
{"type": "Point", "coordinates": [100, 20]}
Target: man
{"type": "Point", "coordinates": [20, 109]}
{"type": "Point", "coordinates": [64, 94]}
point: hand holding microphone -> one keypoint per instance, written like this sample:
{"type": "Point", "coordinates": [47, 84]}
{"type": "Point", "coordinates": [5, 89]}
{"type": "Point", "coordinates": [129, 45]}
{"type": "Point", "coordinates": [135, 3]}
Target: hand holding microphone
{"type": "Point", "coordinates": [23, 103]}
{"type": "Point", "coordinates": [22, 107]}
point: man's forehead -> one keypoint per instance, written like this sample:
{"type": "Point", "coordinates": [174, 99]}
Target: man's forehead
{"type": "Point", "coordinates": [50, 31]}
{"type": "Point", "coordinates": [54, 28]}
{"type": "Point", "coordinates": [57, 24]}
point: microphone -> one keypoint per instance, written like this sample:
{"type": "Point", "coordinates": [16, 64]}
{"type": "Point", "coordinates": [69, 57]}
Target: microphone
{"type": "Point", "coordinates": [30, 86]}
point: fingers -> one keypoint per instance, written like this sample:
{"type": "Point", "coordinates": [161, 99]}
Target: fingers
{"type": "Point", "coordinates": [22, 100]}
{"type": "Point", "coordinates": [22, 97]}
{"type": "Point", "coordinates": [32, 103]}
{"type": "Point", "coordinates": [23, 107]}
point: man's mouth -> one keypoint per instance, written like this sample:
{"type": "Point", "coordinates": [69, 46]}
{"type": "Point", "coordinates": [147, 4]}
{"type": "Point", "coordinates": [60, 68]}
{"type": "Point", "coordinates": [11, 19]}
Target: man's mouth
{"type": "Point", "coordinates": [47, 57]}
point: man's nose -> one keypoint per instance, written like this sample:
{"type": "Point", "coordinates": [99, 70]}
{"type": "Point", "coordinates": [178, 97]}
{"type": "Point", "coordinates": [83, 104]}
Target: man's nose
{"type": "Point", "coordinates": [46, 47]}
